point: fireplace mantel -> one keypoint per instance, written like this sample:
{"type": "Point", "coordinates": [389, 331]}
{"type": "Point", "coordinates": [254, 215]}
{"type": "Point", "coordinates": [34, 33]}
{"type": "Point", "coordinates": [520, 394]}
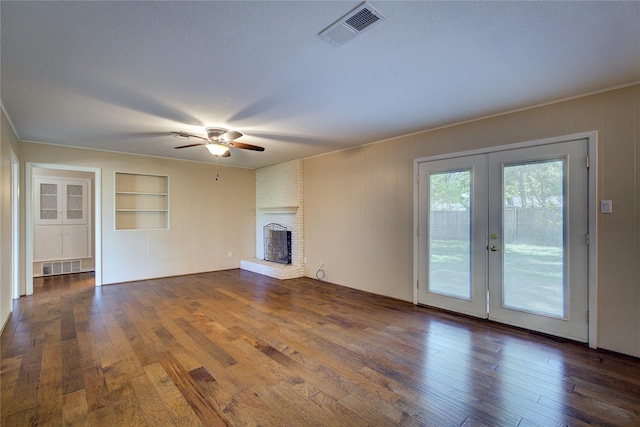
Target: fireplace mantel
{"type": "Point", "coordinates": [279, 210]}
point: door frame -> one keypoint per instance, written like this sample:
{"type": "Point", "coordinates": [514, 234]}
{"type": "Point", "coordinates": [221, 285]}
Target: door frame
{"type": "Point", "coordinates": [15, 226]}
{"type": "Point", "coordinates": [97, 218]}
{"type": "Point", "coordinates": [592, 149]}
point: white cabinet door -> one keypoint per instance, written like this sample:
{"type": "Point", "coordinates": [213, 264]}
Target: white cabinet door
{"type": "Point", "coordinates": [75, 242]}
{"type": "Point", "coordinates": [48, 201]}
{"type": "Point", "coordinates": [60, 201]}
{"type": "Point", "coordinates": [48, 243]}
{"type": "Point", "coordinates": [62, 227]}
{"type": "Point", "coordinates": [74, 202]}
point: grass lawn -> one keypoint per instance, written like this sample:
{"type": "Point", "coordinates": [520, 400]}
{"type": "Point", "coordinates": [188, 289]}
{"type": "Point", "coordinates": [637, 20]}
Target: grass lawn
{"type": "Point", "coordinates": [533, 275]}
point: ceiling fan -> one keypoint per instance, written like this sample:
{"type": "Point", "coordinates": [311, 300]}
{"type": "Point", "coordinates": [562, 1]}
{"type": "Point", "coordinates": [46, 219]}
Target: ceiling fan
{"type": "Point", "coordinates": [218, 141]}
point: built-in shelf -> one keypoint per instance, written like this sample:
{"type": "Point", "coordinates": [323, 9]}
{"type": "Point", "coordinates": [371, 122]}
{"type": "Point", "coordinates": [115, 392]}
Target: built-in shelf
{"type": "Point", "coordinates": [142, 201]}
{"type": "Point", "coordinates": [279, 210]}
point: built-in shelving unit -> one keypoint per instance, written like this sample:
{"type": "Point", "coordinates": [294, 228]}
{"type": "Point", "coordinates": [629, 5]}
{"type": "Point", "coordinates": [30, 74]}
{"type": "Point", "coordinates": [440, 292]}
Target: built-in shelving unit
{"type": "Point", "coordinates": [62, 219]}
{"type": "Point", "coordinates": [142, 201]}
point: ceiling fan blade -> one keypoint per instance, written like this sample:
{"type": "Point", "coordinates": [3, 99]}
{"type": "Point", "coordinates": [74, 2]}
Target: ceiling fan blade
{"type": "Point", "coordinates": [226, 154]}
{"type": "Point", "coordinates": [190, 145]}
{"type": "Point", "coordinates": [244, 146]}
{"type": "Point", "coordinates": [230, 136]}
{"type": "Point", "coordinates": [188, 135]}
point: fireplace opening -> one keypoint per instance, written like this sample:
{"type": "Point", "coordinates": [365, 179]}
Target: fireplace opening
{"type": "Point", "coordinates": [277, 244]}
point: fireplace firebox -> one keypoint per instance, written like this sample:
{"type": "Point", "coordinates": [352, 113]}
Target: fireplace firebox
{"type": "Point", "coordinates": [277, 244]}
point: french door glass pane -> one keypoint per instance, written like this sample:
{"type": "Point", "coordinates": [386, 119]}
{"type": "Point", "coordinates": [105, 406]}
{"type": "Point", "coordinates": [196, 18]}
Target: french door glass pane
{"type": "Point", "coordinates": [450, 234]}
{"type": "Point", "coordinates": [533, 224]}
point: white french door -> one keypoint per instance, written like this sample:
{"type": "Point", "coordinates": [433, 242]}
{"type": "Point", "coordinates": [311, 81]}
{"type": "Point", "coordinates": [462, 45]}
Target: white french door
{"type": "Point", "coordinates": [453, 229]}
{"type": "Point", "coordinates": [503, 236]}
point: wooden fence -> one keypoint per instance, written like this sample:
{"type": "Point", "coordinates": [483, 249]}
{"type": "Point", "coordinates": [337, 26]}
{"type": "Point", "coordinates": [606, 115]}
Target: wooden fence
{"type": "Point", "coordinates": [533, 226]}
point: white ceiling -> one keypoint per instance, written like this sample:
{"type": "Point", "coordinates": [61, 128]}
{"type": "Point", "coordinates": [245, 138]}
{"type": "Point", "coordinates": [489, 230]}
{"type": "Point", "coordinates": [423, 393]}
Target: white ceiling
{"type": "Point", "coordinates": [121, 75]}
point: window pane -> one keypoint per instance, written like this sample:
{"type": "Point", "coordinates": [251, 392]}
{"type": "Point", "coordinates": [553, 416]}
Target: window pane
{"type": "Point", "coordinates": [533, 205]}
{"type": "Point", "coordinates": [450, 234]}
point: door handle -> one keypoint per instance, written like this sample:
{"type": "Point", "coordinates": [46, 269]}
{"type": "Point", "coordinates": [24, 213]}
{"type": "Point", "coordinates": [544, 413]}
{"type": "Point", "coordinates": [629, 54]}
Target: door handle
{"type": "Point", "coordinates": [493, 248]}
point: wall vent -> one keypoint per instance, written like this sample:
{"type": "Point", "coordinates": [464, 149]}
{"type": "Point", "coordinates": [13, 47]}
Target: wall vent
{"type": "Point", "coordinates": [352, 24]}
{"type": "Point", "coordinates": [61, 267]}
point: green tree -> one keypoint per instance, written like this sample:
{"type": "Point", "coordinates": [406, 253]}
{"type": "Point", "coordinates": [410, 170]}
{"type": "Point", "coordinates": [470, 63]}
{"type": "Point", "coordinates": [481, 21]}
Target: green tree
{"type": "Point", "coordinates": [534, 185]}
{"type": "Point", "coordinates": [450, 190]}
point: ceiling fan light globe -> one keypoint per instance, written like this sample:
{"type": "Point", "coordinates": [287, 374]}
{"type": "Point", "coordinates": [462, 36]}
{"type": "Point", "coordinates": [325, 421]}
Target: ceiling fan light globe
{"type": "Point", "coordinates": [217, 149]}
{"type": "Point", "coordinates": [214, 134]}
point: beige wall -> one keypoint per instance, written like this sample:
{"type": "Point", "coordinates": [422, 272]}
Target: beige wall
{"type": "Point", "coordinates": [359, 207]}
{"type": "Point", "coordinates": [359, 203]}
{"type": "Point", "coordinates": [209, 218]}
{"type": "Point", "coordinates": [8, 143]}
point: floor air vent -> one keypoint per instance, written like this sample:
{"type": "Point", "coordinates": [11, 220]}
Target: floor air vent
{"type": "Point", "coordinates": [61, 267]}
{"type": "Point", "coordinates": [352, 24]}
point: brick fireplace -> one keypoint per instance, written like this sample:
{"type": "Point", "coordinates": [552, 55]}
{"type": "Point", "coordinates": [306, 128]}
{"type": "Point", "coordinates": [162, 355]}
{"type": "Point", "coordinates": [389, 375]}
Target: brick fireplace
{"type": "Point", "coordinates": [279, 200]}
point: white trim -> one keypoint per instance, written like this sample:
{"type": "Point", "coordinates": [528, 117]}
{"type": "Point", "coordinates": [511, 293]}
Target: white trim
{"type": "Point", "coordinates": [97, 223]}
{"type": "Point", "coordinates": [15, 226]}
{"type": "Point", "coordinates": [13, 128]}
{"type": "Point", "coordinates": [416, 224]}
{"type": "Point", "coordinates": [28, 227]}
{"type": "Point", "coordinates": [477, 119]}
{"type": "Point", "coordinates": [592, 143]}
{"type": "Point", "coordinates": [593, 237]}
{"type": "Point", "coordinates": [135, 154]}
{"type": "Point", "coordinates": [507, 147]}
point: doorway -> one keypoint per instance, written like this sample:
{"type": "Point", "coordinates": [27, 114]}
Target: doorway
{"type": "Point", "coordinates": [503, 235]}
{"type": "Point", "coordinates": [29, 223]}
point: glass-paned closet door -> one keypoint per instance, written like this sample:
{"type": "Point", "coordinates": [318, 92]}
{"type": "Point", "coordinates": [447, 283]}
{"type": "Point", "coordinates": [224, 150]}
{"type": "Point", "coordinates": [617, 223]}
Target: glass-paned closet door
{"type": "Point", "coordinates": [49, 201]}
{"type": "Point", "coordinates": [76, 203]}
{"type": "Point", "coordinates": [48, 204]}
{"type": "Point", "coordinates": [60, 202]}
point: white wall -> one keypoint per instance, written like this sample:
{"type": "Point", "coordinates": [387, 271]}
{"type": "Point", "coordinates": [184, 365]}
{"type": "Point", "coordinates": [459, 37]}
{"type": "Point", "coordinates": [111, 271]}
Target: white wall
{"type": "Point", "coordinates": [359, 203]}
{"type": "Point", "coordinates": [8, 142]}
{"type": "Point", "coordinates": [209, 218]}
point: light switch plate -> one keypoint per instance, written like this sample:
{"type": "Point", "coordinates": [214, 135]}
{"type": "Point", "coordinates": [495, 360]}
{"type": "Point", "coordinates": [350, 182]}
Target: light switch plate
{"type": "Point", "coordinates": [606, 206]}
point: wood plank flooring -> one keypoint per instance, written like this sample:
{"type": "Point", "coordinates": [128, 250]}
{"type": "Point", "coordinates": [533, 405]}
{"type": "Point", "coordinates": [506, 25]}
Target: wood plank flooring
{"type": "Point", "coordinates": [237, 348]}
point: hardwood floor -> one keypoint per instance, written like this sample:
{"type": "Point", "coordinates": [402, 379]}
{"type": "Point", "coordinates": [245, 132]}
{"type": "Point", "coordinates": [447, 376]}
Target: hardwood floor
{"type": "Point", "coordinates": [237, 348]}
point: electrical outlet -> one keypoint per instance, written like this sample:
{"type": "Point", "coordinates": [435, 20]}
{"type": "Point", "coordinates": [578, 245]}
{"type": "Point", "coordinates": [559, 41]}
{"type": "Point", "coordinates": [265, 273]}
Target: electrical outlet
{"type": "Point", "coordinates": [229, 254]}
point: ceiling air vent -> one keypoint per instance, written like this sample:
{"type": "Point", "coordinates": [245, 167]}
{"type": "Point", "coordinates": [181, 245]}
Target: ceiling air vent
{"type": "Point", "coordinates": [352, 24]}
